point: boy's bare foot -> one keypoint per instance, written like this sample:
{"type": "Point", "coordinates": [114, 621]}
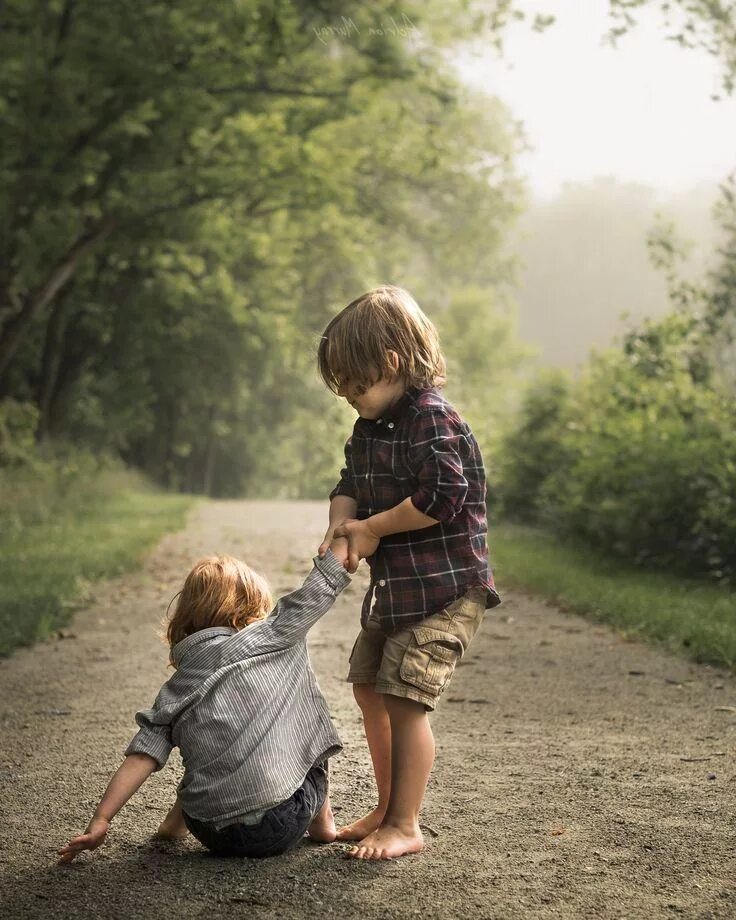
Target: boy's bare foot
{"type": "Point", "coordinates": [361, 828]}
{"type": "Point", "coordinates": [388, 842]}
{"type": "Point", "coordinates": [171, 830]}
{"type": "Point", "coordinates": [322, 828]}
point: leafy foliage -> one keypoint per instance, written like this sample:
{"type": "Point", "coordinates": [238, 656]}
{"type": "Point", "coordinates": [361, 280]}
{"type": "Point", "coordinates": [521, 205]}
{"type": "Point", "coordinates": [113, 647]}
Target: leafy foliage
{"type": "Point", "coordinates": [189, 191]}
{"type": "Point", "coordinates": [533, 449]}
{"type": "Point", "coordinates": [71, 519]}
{"type": "Point", "coordinates": [644, 464]}
{"type": "Point", "coordinates": [706, 24]}
{"type": "Point", "coordinates": [651, 451]}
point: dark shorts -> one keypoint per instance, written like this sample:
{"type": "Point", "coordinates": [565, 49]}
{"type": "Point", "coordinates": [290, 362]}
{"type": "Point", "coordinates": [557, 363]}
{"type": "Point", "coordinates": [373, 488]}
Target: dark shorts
{"type": "Point", "coordinates": [280, 829]}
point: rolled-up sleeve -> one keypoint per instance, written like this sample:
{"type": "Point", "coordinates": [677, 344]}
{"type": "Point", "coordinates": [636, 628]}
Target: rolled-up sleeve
{"type": "Point", "coordinates": [153, 738]}
{"type": "Point", "coordinates": [345, 485]}
{"type": "Point", "coordinates": [436, 450]}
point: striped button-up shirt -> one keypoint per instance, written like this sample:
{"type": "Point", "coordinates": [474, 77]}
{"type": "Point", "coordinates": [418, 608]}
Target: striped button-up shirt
{"type": "Point", "coordinates": [421, 448]}
{"type": "Point", "coordinates": [244, 707]}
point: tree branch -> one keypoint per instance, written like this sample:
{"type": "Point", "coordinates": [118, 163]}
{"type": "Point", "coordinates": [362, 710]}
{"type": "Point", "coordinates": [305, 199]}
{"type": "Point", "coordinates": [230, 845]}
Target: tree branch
{"type": "Point", "coordinates": [264, 88]}
{"type": "Point", "coordinates": [15, 329]}
{"type": "Point", "coordinates": [62, 32]}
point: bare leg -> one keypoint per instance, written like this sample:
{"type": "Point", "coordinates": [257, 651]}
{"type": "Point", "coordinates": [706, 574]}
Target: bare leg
{"type": "Point", "coordinates": [322, 828]}
{"type": "Point", "coordinates": [377, 729]}
{"type": "Point", "coordinates": [173, 826]}
{"type": "Point", "coordinates": [412, 756]}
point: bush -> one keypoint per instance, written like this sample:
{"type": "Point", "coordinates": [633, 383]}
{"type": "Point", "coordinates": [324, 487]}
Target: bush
{"type": "Point", "coordinates": [534, 450]}
{"type": "Point", "coordinates": [18, 422]}
{"type": "Point", "coordinates": [68, 518]}
{"type": "Point", "coordinates": [645, 462]}
{"type": "Point", "coordinates": [35, 487]}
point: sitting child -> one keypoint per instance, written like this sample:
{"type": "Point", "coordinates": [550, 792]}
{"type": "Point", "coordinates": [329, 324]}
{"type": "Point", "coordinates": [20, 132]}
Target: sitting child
{"type": "Point", "coordinates": [244, 708]}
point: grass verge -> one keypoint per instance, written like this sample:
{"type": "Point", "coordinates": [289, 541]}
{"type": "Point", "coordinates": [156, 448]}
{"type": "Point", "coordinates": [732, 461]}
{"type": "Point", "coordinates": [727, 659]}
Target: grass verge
{"type": "Point", "coordinates": [101, 527]}
{"type": "Point", "coordinates": [681, 614]}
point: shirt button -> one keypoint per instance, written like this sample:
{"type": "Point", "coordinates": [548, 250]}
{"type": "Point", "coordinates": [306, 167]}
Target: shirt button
{"type": "Point", "coordinates": [382, 583]}
{"type": "Point", "coordinates": [390, 424]}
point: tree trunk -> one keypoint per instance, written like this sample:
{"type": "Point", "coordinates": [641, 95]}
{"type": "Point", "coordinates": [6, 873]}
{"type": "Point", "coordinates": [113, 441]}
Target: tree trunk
{"type": "Point", "coordinates": [51, 361]}
{"type": "Point", "coordinates": [71, 364]}
{"type": "Point", "coordinates": [16, 328]}
{"type": "Point", "coordinates": [210, 458]}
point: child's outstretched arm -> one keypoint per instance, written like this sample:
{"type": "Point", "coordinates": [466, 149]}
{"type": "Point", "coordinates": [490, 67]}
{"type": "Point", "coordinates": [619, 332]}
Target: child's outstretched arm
{"type": "Point", "coordinates": [132, 773]}
{"type": "Point", "coordinates": [295, 613]}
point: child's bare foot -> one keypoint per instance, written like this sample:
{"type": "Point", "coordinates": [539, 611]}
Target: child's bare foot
{"type": "Point", "coordinates": [165, 833]}
{"type": "Point", "coordinates": [360, 829]}
{"type": "Point", "coordinates": [322, 828]}
{"type": "Point", "coordinates": [388, 842]}
{"type": "Point", "coordinates": [173, 826]}
{"type": "Point", "coordinates": [171, 830]}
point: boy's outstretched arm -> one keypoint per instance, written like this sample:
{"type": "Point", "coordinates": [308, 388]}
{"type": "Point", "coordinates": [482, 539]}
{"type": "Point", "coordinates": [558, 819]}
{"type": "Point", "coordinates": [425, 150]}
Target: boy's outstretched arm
{"type": "Point", "coordinates": [363, 536]}
{"type": "Point", "coordinates": [130, 776]}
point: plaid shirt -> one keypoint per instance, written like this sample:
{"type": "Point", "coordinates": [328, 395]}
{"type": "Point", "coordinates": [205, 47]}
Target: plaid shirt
{"type": "Point", "coordinates": [423, 449]}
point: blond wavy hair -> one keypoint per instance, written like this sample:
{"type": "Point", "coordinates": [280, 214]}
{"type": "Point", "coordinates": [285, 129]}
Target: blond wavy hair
{"type": "Point", "coordinates": [218, 591]}
{"type": "Point", "coordinates": [356, 344]}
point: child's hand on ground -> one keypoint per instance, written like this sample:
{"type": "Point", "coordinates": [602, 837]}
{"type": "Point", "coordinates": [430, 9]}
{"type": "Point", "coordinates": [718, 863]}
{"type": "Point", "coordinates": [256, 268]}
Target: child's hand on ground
{"type": "Point", "coordinates": [362, 541]}
{"type": "Point", "coordinates": [339, 547]}
{"type": "Point", "coordinates": [89, 840]}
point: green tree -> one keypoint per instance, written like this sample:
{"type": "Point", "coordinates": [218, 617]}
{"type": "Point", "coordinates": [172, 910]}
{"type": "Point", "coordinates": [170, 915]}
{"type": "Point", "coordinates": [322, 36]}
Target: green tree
{"type": "Point", "coordinates": [118, 118]}
{"type": "Point", "coordinates": [192, 192]}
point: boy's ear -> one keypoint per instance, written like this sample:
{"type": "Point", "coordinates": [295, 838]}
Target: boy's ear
{"type": "Point", "coordinates": [393, 361]}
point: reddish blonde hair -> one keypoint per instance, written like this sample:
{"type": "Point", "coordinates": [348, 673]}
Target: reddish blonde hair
{"type": "Point", "coordinates": [219, 591]}
{"type": "Point", "coordinates": [355, 345]}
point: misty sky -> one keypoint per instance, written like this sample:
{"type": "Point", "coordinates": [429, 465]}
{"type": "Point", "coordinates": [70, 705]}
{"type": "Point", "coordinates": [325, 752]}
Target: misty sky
{"type": "Point", "coordinates": [641, 112]}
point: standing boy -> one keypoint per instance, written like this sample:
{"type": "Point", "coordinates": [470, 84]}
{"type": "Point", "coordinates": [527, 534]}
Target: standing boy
{"type": "Point", "coordinates": [411, 500]}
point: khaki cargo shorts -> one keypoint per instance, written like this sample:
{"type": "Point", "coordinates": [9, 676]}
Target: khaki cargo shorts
{"type": "Point", "coordinates": [417, 662]}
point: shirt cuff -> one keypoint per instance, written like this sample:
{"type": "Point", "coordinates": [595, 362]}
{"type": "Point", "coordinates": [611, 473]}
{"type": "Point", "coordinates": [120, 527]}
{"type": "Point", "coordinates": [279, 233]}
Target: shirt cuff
{"type": "Point", "coordinates": [342, 488]}
{"type": "Point", "coordinates": [333, 570]}
{"type": "Point", "coordinates": [151, 743]}
{"type": "Point", "coordinates": [435, 506]}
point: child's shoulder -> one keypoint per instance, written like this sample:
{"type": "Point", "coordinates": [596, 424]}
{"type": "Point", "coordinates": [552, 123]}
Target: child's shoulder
{"type": "Point", "coordinates": [431, 401]}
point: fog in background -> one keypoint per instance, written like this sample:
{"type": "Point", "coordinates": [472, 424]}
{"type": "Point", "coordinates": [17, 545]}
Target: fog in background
{"type": "Point", "coordinates": [615, 136]}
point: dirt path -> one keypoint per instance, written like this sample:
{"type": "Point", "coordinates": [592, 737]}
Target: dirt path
{"type": "Point", "coordinates": [577, 775]}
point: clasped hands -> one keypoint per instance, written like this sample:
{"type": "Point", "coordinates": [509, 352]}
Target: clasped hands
{"type": "Point", "coordinates": [350, 540]}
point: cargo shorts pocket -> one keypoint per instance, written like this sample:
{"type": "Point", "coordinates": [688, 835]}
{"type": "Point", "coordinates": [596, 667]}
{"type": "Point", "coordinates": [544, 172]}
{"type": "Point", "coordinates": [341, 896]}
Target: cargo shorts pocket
{"type": "Point", "coordinates": [430, 659]}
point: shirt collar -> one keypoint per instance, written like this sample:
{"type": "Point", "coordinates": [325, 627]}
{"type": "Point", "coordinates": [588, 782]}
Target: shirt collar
{"type": "Point", "coordinates": [202, 635]}
{"type": "Point", "coordinates": [395, 412]}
